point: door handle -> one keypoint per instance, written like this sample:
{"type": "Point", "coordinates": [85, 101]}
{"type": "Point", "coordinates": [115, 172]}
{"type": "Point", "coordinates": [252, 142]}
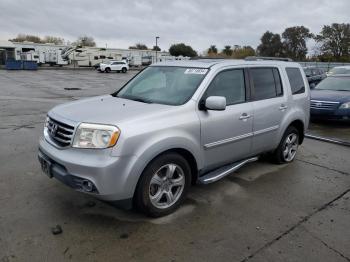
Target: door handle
{"type": "Point", "coordinates": [283, 107]}
{"type": "Point", "coordinates": [244, 116]}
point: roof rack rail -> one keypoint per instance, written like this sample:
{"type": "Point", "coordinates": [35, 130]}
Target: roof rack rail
{"type": "Point", "coordinates": [208, 58]}
{"type": "Point", "coordinates": [257, 58]}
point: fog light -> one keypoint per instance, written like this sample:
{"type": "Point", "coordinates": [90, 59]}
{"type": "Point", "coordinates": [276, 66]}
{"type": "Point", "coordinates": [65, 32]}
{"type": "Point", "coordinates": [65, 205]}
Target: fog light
{"type": "Point", "coordinates": [87, 186]}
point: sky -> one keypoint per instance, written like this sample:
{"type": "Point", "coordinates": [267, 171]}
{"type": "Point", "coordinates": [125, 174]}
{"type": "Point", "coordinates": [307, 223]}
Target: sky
{"type": "Point", "coordinates": [122, 23]}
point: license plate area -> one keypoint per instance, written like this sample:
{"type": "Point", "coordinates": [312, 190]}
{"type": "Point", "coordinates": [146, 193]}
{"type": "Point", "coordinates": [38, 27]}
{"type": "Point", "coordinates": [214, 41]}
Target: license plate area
{"type": "Point", "coordinates": [45, 165]}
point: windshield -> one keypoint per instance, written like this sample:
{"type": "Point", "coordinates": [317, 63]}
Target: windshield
{"type": "Point", "coordinates": [163, 85]}
{"type": "Point", "coordinates": [335, 83]}
{"type": "Point", "coordinates": [339, 71]}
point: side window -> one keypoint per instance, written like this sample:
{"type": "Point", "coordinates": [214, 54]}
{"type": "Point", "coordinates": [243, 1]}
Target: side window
{"type": "Point", "coordinates": [296, 80]}
{"type": "Point", "coordinates": [229, 84]}
{"type": "Point", "coordinates": [267, 83]}
{"type": "Point", "coordinates": [278, 82]}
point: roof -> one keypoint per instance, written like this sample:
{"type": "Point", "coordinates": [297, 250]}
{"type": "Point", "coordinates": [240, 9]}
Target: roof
{"type": "Point", "coordinates": [340, 75]}
{"type": "Point", "coordinates": [6, 44]}
{"type": "Point", "coordinates": [208, 63]}
{"type": "Point", "coordinates": [346, 67]}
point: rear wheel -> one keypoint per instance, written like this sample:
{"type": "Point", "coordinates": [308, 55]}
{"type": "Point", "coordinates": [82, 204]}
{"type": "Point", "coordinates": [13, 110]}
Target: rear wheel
{"type": "Point", "coordinates": [163, 185]}
{"type": "Point", "coordinates": [107, 70]}
{"type": "Point", "coordinates": [288, 146]}
{"type": "Point", "coordinates": [124, 70]}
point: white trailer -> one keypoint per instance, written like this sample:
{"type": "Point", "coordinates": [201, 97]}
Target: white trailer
{"type": "Point", "coordinates": [42, 53]}
{"type": "Point", "coordinates": [90, 56]}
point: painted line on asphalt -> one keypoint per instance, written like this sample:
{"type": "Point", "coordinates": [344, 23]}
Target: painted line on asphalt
{"type": "Point", "coordinates": [328, 140]}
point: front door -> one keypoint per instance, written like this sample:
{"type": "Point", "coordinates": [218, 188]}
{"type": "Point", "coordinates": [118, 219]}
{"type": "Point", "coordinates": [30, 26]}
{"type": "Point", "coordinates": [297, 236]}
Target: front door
{"type": "Point", "coordinates": [226, 136]}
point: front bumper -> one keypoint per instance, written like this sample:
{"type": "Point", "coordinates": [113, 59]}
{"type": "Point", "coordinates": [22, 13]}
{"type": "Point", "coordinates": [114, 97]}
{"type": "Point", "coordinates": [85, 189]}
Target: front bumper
{"type": "Point", "coordinates": [338, 114]}
{"type": "Point", "coordinates": [113, 178]}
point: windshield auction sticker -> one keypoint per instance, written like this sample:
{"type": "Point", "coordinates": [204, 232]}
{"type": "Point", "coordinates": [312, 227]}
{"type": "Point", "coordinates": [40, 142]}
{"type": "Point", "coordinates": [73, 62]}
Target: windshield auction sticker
{"type": "Point", "coordinates": [196, 71]}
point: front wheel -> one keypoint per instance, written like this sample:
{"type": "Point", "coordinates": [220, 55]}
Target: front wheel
{"type": "Point", "coordinates": [287, 149]}
{"type": "Point", "coordinates": [107, 70]}
{"type": "Point", "coordinates": [163, 185]}
{"type": "Point", "coordinates": [124, 70]}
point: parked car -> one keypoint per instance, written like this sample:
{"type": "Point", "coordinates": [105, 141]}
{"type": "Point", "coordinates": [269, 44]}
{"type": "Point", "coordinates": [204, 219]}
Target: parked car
{"type": "Point", "coordinates": [331, 98]}
{"type": "Point", "coordinates": [118, 66]}
{"type": "Point", "coordinates": [174, 124]}
{"type": "Point", "coordinates": [339, 70]}
{"type": "Point", "coordinates": [314, 75]}
{"type": "Point", "coordinates": [97, 66]}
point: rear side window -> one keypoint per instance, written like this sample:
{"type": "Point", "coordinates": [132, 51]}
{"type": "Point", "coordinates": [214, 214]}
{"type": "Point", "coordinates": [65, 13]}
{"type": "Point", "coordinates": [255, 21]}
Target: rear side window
{"type": "Point", "coordinates": [296, 80]}
{"type": "Point", "coordinates": [230, 84]}
{"type": "Point", "coordinates": [267, 83]}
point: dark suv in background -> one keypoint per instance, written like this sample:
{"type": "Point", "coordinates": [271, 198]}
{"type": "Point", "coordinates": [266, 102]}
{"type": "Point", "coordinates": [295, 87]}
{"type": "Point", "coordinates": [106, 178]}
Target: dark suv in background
{"type": "Point", "coordinates": [314, 75]}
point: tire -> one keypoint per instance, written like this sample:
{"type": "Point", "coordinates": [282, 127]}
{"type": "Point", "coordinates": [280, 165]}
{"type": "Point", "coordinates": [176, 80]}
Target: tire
{"type": "Point", "coordinates": [163, 185]}
{"type": "Point", "coordinates": [124, 70]}
{"type": "Point", "coordinates": [107, 70]}
{"type": "Point", "coordinates": [288, 147]}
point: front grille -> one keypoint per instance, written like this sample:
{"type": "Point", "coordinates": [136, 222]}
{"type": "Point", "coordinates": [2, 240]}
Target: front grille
{"type": "Point", "coordinates": [328, 105]}
{"type": "Point", "coordinates": [60, 133]}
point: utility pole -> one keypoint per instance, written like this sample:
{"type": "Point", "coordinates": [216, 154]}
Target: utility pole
{"type": "Point", "coordinates": [157, 37]}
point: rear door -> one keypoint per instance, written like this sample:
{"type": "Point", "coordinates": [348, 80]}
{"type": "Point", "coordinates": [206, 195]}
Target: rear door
{"type": "Point", "coordinates": [116, 66]}
{"type": "Point", "coordinates": [226, 136]}
{"type": "Point", "coordinates": [270, 105]}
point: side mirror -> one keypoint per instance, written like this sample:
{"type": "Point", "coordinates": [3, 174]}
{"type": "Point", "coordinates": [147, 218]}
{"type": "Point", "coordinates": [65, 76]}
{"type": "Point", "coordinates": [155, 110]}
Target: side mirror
{"type": "Point", "coordinates": [217, 103]}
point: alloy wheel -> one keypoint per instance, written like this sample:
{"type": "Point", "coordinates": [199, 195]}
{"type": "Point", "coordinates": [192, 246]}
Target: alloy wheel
{"type": "Point", "coordinates": [290, 147]}
{"type": "Point", "coordinates": [166, 186]}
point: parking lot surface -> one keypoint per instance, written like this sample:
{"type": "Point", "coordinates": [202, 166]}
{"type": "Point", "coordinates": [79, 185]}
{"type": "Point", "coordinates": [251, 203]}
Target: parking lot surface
{"type": "Point", "coordinates": [263, 212]}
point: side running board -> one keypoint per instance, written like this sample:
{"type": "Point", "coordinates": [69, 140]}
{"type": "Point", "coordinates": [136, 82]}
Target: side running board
{"type": "Point", "coordinates": [221, 172]}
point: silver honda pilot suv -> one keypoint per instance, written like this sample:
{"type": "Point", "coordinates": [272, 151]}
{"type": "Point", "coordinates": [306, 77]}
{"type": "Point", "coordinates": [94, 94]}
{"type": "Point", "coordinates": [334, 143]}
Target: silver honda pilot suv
{"type": "Point", "coordinates": [173, 125]}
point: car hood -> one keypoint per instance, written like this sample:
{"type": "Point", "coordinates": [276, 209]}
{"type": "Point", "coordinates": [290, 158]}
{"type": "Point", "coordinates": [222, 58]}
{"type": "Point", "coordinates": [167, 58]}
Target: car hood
{"type": "Point", "coordinates": [330, 95]}
{"type": "Point", "coordinates": [106, 110]}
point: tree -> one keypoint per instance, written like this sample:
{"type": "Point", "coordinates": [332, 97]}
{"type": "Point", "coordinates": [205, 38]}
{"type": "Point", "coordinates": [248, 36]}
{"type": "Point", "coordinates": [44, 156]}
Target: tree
{"type": "Point", "coordinates": [85, 41]}
{"type": "Point", "coordinates": [335, 41]}
{"type": "Point", "coordinates": [242, 52]}
{"type": "Point", "coordinates": [271, 45]}
{"type": "Point", "coordinates": [212, 50]}
{"type": "Point", "coordinates": [53, 39]}
{"type": "Point", "coordinates": [24, 37]}
{"type": "Point", "coordinates": [156, 48]}
{"type": "Point", "coordinates": [227, 50]}
{"type": "Point", "coordinates": [294, 42]}
{"type": "Point", "coordinates": [182, 49]}
{"type": "Point", "coordinates": [139, 46]}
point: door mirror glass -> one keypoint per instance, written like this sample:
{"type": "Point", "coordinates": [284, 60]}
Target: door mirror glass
{"type": "Point", "coordinates": [215, 103]}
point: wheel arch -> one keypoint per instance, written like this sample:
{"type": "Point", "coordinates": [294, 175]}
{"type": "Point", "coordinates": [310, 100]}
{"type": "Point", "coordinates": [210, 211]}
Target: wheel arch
{"type": "Point", "coordinates": [187, 154]}
{"type": "Point", "coordinates": [299, 125]}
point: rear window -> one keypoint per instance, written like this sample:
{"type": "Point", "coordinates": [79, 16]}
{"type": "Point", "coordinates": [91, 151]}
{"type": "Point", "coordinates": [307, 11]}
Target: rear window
{"type": "Point", "coordinates": [296, 80]}
{"type": "Point", "coordinates": [267, 83]}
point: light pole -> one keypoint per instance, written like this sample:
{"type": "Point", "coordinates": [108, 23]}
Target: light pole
{"type": "Point", "coordinates": [157, 37]}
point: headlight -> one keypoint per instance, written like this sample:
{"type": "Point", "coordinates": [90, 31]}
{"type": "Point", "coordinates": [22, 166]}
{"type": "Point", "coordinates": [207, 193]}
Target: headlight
{"type": "Point", "coordinates": [96, 136]}
{"type": "Point", "coordinates": [46, 122]}
{"type": "Point", "coordinates": [345, 105]}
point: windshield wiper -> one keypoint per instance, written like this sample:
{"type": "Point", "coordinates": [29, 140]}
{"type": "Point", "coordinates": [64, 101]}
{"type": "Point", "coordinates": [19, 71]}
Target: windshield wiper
{"type": "Point", "coordinates": [135, 98]}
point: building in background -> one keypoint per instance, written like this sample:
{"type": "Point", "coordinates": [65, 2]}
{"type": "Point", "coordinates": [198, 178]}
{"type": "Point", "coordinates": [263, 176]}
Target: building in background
{"type": "Point", "coordinates": [7, 51]}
